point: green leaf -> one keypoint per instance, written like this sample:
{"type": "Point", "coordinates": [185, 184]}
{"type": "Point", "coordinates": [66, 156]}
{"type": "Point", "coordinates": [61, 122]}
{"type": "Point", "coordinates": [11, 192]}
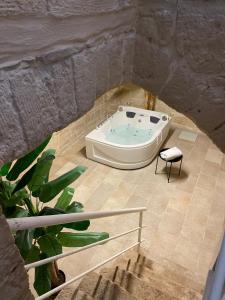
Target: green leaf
{"type": "Point", "coordinates": [39, 232]}
{"type": "Point", "coordinates": [68, 239]}
{"type": "Point", "coordinates": [30, 206]}
{"type": "Point", "coordinates": [42, 282]}
{"type": "Point", "coordinates": [42, 170]}
{"type": "Point", "coordinates": [75, 207]}
{"type": "Point", "coordinates": [54, 229]}
{"type": "Point", "coordinates": [49, 245]}
{"type": "Point", "coordinates": [5, 169]}
{"type": "Point", "coordinates": [48, 211]}
{"type": "Point", "coordinates": [18, 197]}
{"type": "Point", "coordinates": [15, 212]}
{"type": "Point", "coordinates": [23, 163]}
{"type": "Point", "coordinates": [23, 241]}
{"type": "Point", "coordinates": [33, 255]}
{"type": "Point", "coordinates": [80, 225]}
{"type": "Point", "coordinates": [64, 200]}
{"type": "Point", "coordinates": [49, 190]}
{"type": "Point", "coordinates": [25, 179]}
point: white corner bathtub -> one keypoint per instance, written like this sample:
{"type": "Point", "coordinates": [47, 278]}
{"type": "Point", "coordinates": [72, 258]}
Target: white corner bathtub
{"type": "Point", "coordinates": [129, 139]}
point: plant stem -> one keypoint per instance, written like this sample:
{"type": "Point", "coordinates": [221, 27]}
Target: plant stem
{"type": "Point", "coordinates": [54, 271]}
{"type": "Point", "coordinates": [30, 206]}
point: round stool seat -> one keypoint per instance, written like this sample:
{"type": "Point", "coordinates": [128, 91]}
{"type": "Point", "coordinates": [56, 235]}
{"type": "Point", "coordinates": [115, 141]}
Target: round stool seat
{"type": "Point", "coordinates": [170, 160]}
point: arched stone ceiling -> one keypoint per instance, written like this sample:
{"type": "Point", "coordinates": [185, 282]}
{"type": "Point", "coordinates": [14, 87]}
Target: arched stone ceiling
{"type": "Point", "coordinates": [58, 56]}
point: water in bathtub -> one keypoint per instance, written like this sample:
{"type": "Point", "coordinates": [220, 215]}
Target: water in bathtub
{"type": "Point", "coordinates": [132, 132]}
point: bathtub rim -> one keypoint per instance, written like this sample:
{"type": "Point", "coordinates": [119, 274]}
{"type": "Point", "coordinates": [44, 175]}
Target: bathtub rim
{"type": "Point", "coordinates": [136, 146]}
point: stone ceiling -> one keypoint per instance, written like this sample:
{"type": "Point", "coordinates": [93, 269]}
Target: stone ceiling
{"type": "Point", "coordinates": [58, 56]}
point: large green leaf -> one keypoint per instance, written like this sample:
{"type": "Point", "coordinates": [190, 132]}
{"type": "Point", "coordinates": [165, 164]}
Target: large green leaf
{"type": "Point", "coordinates": [6, 189]}
{"type": "Point", "coordinates": [64, 200]}
{"type": "Point", "coordinates": [30, 206]}
{"type": "Point", "coordinates": [23, 241]}
{"type": "Point", "coordinates": [48, 211]}
{"type": "Point", "coordinates": [5, 169]}
{"type": "Point", "coordinates": [75, 207]}
{"type": "Point", "coordinates": [23, 163]}
{"type": "Point", "coordinates": [80, 225]}
{"type": "Point", "coordinates": [49, 190]}
{"type": "Point", "coordinates": [15, 212]}
{"type": "Point", "coordinates": [25, 179]}
{"type": "Point", "coordinates": [18, 198]}
{"type": "Point", "coordinates": [7, 199]}
{"type": "Point", "coordinates": [39, 232]}
{"type": "Point", "coordinates": [33, 255]}
{"type": "Point", "coordinates": [68, 239]}
{"type": "Point", "coordinates": [42, 282]}
{"type": "Point", "coordinates": [42, 170]}
{"type": "Point", "coordinates": [49, 245]}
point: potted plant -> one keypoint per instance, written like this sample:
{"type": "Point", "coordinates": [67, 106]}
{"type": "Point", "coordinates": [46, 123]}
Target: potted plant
{"type": "Point", "coordinates": [26, 193]}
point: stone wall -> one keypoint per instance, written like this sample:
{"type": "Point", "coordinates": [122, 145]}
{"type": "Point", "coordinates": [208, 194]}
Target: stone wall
{"type": "Point", "coordinates": [57, 57]}
{"type": "Point", "coordinates": [13, 277]}
{"type": "Point", "coordinates": [73, 136]}
{"type": "Point", "coordinates": [180, 57]}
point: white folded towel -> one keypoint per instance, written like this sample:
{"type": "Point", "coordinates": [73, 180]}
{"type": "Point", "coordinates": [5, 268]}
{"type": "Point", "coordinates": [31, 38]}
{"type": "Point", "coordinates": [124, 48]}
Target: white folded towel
{"type": "Point", "coordinates": [171, 153]}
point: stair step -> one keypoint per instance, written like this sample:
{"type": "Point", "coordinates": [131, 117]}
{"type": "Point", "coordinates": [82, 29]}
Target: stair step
{"type": "Point", "coordinates": [101, 288]}
{"type": "Point", "coordinates": [70, 294]}
{"type": "Point", "coordinates": [79, 295]}
{"type": "Point", "coordinates": [135, 286]}
{"type": "Point", "coordinates": [167, 271]}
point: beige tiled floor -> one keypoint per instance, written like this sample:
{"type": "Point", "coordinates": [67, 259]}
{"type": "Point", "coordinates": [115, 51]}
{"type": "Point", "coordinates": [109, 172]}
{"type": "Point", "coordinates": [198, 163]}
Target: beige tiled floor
{"type": "Point", "coordinates": [185, 218]}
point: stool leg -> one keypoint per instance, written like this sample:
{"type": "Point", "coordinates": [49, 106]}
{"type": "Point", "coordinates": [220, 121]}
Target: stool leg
{"type": "Point", "coordinates": [180, 166]}
{"type": "Point", "coordinates": [169, 172]}
{"type": "Point", "coordinates": [156, 164]}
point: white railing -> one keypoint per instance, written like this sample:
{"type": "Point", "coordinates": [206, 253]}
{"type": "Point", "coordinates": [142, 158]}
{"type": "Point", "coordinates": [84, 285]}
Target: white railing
{"type": "Point", "coordinates": [42, 221]}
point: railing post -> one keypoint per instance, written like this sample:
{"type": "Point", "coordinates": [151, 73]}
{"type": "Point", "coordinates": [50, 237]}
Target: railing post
{"type": "Point", "coordinates": [140, 230]}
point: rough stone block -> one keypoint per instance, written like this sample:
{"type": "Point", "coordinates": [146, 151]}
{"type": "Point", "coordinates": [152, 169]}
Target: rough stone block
{"type": "Point", "coordinates": [85, 80]}
{"type": "Point", "coordinates": [153, 7]}
{"type": "Point", "coordinates": [182, 89]}
{"type": "Point", "coordinates": [128, 57]}
{"type": "Point", "coordinates": [36, 106]}
{"type": "Point", "coordinates": [101, 68]}
{"type": "Point", "coordinates": [65, 8]}
{"type": "Point", "coordinates": [12, 142]}
{"type": "Point", "coordinates": [70, 7]}
{"type": "Point", "coordinates": [151, 63]}
{"type": "Point", "coordinates": [62, 88]}
{"type": "Point", "coordinates": [200, 38]}
{"type": "Point", "coordinates": [14, 280]}
{"type": "Point", "coordinates": [22, 7]}
{"type": "Point", "coordinates": [115, 52]}
{"type": "Point", "coordinates": [209, 111]}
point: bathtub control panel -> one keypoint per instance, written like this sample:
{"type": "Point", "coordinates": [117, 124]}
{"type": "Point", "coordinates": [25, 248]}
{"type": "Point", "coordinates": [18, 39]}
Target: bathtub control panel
{"type": "Point", "coordinates": [154, 119]}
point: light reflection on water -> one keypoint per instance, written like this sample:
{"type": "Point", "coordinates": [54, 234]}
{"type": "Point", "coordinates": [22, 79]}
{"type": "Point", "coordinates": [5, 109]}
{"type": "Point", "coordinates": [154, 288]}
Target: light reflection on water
{"type": "Point", "coordinates": [128, 135]}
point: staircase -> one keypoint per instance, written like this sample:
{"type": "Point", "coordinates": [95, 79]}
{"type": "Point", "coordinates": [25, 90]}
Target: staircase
{"type": "Point", "coordinates": [135, 277]}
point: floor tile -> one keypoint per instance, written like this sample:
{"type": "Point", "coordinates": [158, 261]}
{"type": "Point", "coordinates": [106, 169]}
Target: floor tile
{"type": "Point", "coordinates": [185, 217]}
{"type": "Point", "coordinates": [214, 156]}
{"type": "Point", "coordinates": [188, 136]}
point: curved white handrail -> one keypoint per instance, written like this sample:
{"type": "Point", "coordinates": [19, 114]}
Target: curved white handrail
{"type": "Point", "coordinates": [59, 256]}
{"type": "Point", "coordinates": [59, 288]}
{"type": "Point", "coordinates": [42, 221]}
